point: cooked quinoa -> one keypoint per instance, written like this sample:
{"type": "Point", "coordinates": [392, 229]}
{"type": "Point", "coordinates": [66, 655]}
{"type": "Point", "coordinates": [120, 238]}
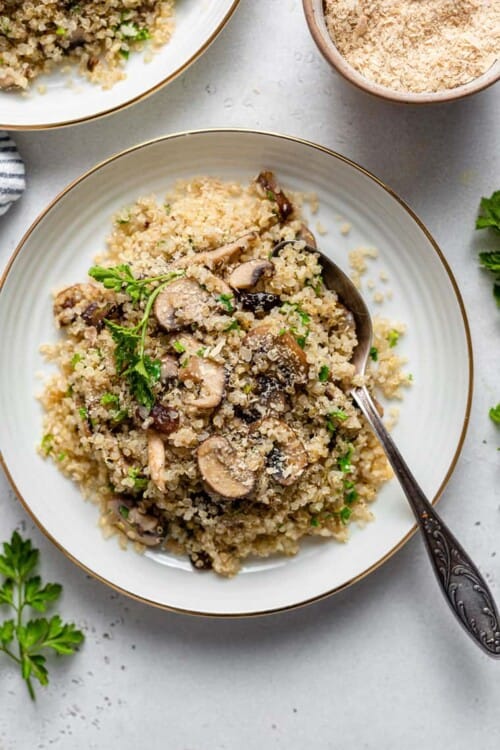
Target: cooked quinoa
{"type": "Point", "coordinates": [231, 432]}
{"type": "Point", "coordinates": [97, 35]}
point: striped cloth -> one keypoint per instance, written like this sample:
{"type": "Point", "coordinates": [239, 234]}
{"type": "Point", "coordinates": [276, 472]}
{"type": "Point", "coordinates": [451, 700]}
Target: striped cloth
{"type": "Point", "coordinates": [12, 181]}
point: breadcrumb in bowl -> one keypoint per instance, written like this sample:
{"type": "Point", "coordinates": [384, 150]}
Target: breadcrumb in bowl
{"type": "Point", "coordinates": [455, 83]}
{"type": "Point", "coordinates": [201, 397]}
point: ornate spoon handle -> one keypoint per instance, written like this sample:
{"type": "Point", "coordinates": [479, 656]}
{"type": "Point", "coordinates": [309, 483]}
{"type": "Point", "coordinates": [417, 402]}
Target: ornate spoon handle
{"type": "Point", "coordinates": [461, 582]}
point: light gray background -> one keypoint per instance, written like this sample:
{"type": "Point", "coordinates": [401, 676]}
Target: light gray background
{"type": "Point", "coordinates": [383, 664]}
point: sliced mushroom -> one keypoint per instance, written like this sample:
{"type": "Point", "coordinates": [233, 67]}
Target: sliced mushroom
{"type": "Point", "coordinates": [169, 368]}
{"type": "Point", "coordinates": [165, 418]}
{"type": "Point", "coordinates": [181, 303]}
{"type": "Point", "coordinates": [221, 254]}
{"type": "Point", "coordinates": [139, 527]}
{"type": "Point", "coordinates": [156, 459]}
{"type": "Point", "coordinates": [246, 275]}
{"type": "Point", "coordinates": [223, 471]}
{"type": "Point", "coordinates": [74, 301]}
{"type": "Point", "coordinates": [288, 459]}
{"type": "Point", "coordinates": [272, 191]}
{"type": "Point", "coordinates": [259, 302]}
{"type": "Point", "coordinates": [211, 377]}
{"type": "Point", "coordinates": [305, 234]}
{"type": "Point", "coordinates": [278, 353]}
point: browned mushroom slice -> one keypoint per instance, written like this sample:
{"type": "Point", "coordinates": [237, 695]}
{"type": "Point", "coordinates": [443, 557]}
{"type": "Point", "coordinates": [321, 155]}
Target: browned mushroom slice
{"type": "Point", "coordinates": [74, 301]}
{"type": "Point", "coordinates": [181, 303]}
{"type": "Point", "coordinates": [305, 234]}
{"type": "Point", "coordinates": [137, 526]}
{"type": "Point", "coordinates": [288, 459]}
{"type": "Point", "coordinates": [212, 380]}
{"type": "Point", "coordinates": [246, 275]}
{"type": "Point", "coordinates": [221, 254]}
{"type": "Point", "coordinates": [223, 471]}
{"type": "Point", "coordinates": [278, 353]}
{"type": "Point", "coordinates": [156, 460]}
{"type": "Point", "coordinates": [269, 185]}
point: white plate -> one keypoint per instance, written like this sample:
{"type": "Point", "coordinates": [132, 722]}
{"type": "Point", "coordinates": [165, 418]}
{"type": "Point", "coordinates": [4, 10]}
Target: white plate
{"type": "Point", "coordinates": [197, 23]}
{"type": "Point", "coordinates": [58, 250]}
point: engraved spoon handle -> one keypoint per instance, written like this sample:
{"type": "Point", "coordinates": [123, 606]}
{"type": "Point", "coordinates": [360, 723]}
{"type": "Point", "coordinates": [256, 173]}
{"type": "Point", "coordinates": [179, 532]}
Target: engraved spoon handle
{"type": "Point", "coordinates": [461, 582]}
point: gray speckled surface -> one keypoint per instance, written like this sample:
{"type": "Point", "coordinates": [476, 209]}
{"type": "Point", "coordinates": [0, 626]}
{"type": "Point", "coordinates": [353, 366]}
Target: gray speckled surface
{"type": "Point", "coordinates": [388, 644]}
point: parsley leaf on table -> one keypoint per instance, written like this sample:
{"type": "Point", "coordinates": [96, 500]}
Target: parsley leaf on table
{"type": "Point", "coordinates": [489, 218]}
{"type": "Point", "coordinates": [20, 590]}
{"type": "Point", "coordinates": [489, 212]}
{"type": "Point", "coordinates": [494, 414]}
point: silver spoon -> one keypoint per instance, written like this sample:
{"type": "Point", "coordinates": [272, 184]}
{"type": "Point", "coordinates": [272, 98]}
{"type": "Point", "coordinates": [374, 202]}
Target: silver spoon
{"type": "Point", "coordinates": [461, 582]}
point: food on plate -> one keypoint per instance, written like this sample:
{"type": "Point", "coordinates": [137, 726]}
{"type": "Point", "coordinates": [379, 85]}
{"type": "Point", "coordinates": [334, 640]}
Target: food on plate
{"type": "Point", "coordinates": [202, 387]}
{"type": "Point", "coordinates": [97, 35]}
{"type": "Point", "coordinates": [416, 46]}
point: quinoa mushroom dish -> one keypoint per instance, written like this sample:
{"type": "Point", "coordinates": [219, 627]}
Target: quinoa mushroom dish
{"type": "Point", "coordinates": [97, 35]}
{"type": "Point", "coordinates": [202, 388]}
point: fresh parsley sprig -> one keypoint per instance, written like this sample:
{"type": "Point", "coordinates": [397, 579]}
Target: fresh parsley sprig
{"type": "Point", "coordinates": [22, 590]}
{"type": "Point", "coordinates": [121, 279]}
{"type": "Point", "coordinates": [489, 218]}
{"type": "Point", "coordinates": [138, 368]}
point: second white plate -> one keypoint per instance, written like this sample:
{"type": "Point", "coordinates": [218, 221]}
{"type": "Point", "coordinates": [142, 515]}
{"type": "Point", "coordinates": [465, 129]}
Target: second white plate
{"type": "Point", "coordinates": [197, 23]}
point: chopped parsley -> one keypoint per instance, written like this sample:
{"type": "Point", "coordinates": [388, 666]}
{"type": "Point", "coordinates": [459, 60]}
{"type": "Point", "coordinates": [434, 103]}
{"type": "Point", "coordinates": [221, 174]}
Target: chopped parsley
{"type": "Point", "coordinates": [494, 414]}
{"type": "Point", "coordinates": [351, 497]}
{"type": "Point", "coordinates": [301, 340]}
{"type": "Point", "coordinates": [62, 455]}
{"type": "Point", "coordinates": [344, 462]}
{"type": "Point", "coordinates": [201, 351]}
{"type": "Point", "coordinates": [324, 374]}
{"type": "Point", "coordinates": [60, 31]}
{"type": "Point", "coordinates": [179, 348]}
{"type": "Point", "coordinates": [125, 53]}
{"type": "Point", "coordinates": [374, 353]}
{"type": "Point", "coordinates": [233, 326]}
{"type": "Point", "coordinates": [83, 412]}
{"type": "Point", "coordinates": [345, 514]}
{"type": "Point", "coordinates": [393, 337]}
{"type": "Point", "coordinates": [75, 359]}
{"type": "Point", "coordinates": [316, 284]}
{"type": "Point", "coordinates": [140, 481]}
{"type": "Point", "coordinates": [46, 444]}
{"type": "Point", "coordinates": [108, 399]}
{"type": "Point", "coordinates": [288, 307]}
{"type": "Point", "coordinates": [225, 299]}
{"type": "Point", "coordinates": [123, 511]}
{"type": "Point", "coordinates": [131, 32]}
{"type": "Point", "coordinates": [315, 521]}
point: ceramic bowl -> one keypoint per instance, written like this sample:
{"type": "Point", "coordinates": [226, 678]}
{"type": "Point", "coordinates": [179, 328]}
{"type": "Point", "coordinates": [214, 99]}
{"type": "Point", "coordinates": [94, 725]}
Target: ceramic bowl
{"type": "Point", "coordinates": [317, 25]}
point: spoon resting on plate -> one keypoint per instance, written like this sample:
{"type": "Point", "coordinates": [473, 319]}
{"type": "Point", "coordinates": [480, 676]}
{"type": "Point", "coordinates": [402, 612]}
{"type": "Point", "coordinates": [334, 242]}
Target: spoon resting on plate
{"type": "Point", "coordinates": [461, 582]}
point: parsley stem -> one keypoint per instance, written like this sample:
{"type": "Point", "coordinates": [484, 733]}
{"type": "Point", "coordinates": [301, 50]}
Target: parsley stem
{"type": "Point", "coordinates": [147, 313]}
{"type": "Point", "coordinates": [9, 653]}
